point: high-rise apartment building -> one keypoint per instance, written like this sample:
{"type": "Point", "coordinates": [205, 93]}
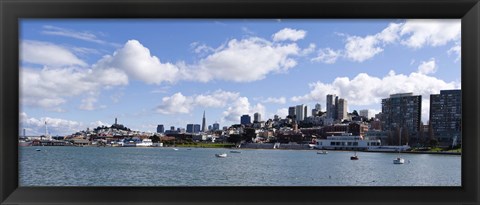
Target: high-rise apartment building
{"type": "Point", "coordinates": [402, 111]}
{"type": "Point", "coordinates": [446, 115]}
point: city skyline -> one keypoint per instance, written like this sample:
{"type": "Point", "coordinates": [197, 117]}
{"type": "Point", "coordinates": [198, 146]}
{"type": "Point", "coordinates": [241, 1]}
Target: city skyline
{"type": "Point", "coordinates": [83, 73]}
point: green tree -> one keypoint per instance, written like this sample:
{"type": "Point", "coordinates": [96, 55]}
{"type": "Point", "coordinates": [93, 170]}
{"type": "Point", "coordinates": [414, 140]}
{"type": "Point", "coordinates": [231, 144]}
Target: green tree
{"type": "Point", "coordinates": [155, 138]}
{"type": "Point", "coordinates": [234, 138]}
{"type": "Point", "coordinates": [355, 113]}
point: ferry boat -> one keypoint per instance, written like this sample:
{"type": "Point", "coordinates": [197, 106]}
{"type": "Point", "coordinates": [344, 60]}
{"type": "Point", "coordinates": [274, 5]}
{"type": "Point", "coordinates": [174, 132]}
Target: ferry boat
{"type": "Point", "coordinates": [346, 142]}
{"type": "Point", "coordinates": [389, 148]}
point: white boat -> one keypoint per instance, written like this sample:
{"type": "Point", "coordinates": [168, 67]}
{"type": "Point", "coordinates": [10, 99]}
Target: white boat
{"type": "Point", "coordinates": [175, 149]}
{"type": "Point", "coordinates": [346, 142]}
{"type": "Point", "coordinates": [37, 150]}
{"type": "Point", "coordinates": [145, 143]}
{"type": "Point", "coordinates": [399, 160]}
{"type": "Point", "coordinates": [221, 155]}
{"type": "Point", "coordinates": [322, 152]}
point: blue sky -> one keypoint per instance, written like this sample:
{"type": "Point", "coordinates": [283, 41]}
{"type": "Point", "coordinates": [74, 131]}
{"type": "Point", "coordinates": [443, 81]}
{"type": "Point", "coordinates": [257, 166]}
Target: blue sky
{"type": "Point", "coordinates": [83, 73]}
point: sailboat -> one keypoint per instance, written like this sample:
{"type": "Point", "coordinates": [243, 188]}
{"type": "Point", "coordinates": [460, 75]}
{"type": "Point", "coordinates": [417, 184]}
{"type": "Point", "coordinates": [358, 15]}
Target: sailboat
{"type": "Point", "coordinates": [399, 160]}
{"type": "Point", "coordinates": [354, 157]}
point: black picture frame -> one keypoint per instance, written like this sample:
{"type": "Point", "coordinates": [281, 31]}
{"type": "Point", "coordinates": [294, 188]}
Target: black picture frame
{"type": "Point", "coordinates": [13, 10]}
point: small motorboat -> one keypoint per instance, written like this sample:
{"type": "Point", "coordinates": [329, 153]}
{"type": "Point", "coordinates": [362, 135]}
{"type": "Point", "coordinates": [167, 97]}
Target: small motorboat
{"type": "Point", "coordinates": [38, 150]}
{"type": "Point", "coordinates": [399, 160]}
{"type": "Point", "coordinates": [175, 149]}
{"type": "Point", "coordinates": [221, 155]}
{"type": "Point", "coordinates": [322, 152]}
{"type": "Point", "coordinates": [355, 157]}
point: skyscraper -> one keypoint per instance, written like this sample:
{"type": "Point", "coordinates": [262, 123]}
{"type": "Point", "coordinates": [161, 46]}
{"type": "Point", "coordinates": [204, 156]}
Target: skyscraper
{"type": "Point", "coordinates": [257, 117]}
{"type": "Point", "coordinates": [446, 115]}
{"type": "Point", "coordinates": [245, 120]}
{"type": "Point", "coordinates": [331, 106]}
{"type": "Point", "coordinates": [365, 113]}
{"type": "Point", "coordinates": [291, 112]}
{"type": "Point", "coordinates": [203, 122]}
{"type": "Point", "coordinates": [341, 109]}
{"type": "Point", "coordinates": [160, 129]}
{"type": "Point", "coordinates": [193, 128]}
{"type": "Point", "coordinates": [316, 110]}
{"type": "Point", "coordinates": [216, 126]}
{"type": "Point", "coordinates": [300, 112]}
{"type": "Point", "coordinates": [402, 111]}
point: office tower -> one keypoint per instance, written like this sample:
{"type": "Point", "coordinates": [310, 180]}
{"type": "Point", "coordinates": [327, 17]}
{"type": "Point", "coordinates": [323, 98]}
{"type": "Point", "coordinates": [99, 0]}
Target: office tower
{"type": "Point", "coordinates": [216, 126]}
{"type": "Point", "coordinates": [402, 111]}
{"type": "Point", "coordinates": [446, 115]}
{"type": "Point", "coordinates": [203, 122]}
{"type": "Point", "coordinates": [342, 109]}
{"type": "Point", "coordinates": [300, 112]}
{"type": "Point", "coordinates": [245, 120]}
{"type": "Point", "coordinates": [331, 106]}
{"type": "Point", "coordinates": [257, 117]}
{"type": "Point", "coordinates": [196, 128]}
{"type": "Point", "coordinates": [160, 129]}
{"type": "Point", "coordinates": [364, 113]}
{"type": "Point", "coordinates": [291, 112]}
{"type": "Point", "coordinates": [189, 128]}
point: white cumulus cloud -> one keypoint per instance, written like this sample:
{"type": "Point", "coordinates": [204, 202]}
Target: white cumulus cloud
{"type": "Point", "coordinates": [289, 34]}
{"type": "Point", "coordinates": [413, 33]}
{"type": "Point", "coordinates": [56, 126]}
{"type": "Point", "coordinates": [428, 67]}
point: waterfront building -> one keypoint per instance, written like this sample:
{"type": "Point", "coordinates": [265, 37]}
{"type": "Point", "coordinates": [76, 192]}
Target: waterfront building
{"type": "Point", "coordinates": [172, 128]}
{"type": "Point", "coordinates": [160, 129]}
{"type": "Point", "coordinates": [402, 111]}
{"type": "Point", "coordinates": [216, 126]}
{"type": "Point", "coordinates": [332, 106]}
{"type": "Point", "coordinates": [446, 116]}
{"type": "Point", "coordinates": [245, 120]}
{"type": "Point", "coordinates": [291, 112]}
{"type": "Point", "coordinates": [203, 122]}
{"type": "Point", "coordinates": [257, 117]}
{"type": "Point", "coordinates": [342, 109]}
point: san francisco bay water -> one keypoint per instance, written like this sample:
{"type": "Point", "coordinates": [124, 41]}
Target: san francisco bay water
{"type": "Point", "coordinates": [113, 166]}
